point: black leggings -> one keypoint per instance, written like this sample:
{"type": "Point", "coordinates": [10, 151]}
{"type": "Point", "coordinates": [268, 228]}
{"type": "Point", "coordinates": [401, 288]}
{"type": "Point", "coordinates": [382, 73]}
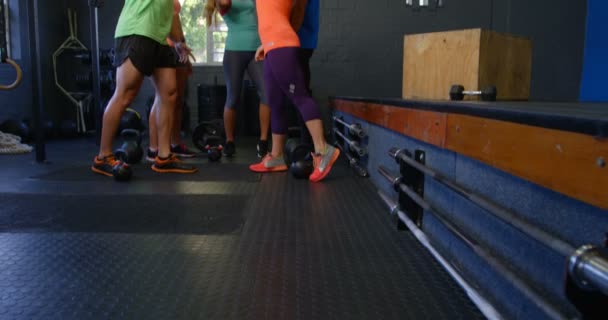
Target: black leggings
{"type": "Point", "coordinates": [235, 64]}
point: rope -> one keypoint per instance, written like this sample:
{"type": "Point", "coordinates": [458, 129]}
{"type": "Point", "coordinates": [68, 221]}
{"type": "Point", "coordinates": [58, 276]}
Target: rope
{"type": "Point", "coordinates": [11, 144]}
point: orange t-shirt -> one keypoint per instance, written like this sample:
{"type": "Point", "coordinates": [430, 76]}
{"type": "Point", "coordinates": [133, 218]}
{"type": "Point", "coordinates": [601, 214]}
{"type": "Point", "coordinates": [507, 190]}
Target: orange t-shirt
{"type": "Point", "coordinates": [274, 25]}
{"type": "Point", "coordinates": [177, 7]}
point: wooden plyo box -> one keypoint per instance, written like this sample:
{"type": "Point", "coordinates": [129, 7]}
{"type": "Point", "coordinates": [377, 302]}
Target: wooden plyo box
{"type": "Point", "coordinates": [474, 58]}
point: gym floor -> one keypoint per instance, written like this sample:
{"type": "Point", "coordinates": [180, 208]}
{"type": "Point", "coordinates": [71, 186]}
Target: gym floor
{"type": "Point", "coordinates": [222, 244]}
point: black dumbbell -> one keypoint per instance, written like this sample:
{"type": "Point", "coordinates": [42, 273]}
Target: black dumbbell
{"type": "Point", "coordinates": [213, 148]}
{"type": "Point", "coordinates": [131, 151]}
{"type": "Point", "coordinates": [122, 172]}
{"type": "Point", "coordinates": [354, 129]}
{"type": "Point", "coordinates": [488, 93]}
{"type": "Point", "coordinates": [353, 146]}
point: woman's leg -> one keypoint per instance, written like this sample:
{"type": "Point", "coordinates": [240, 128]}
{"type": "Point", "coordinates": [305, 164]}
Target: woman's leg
{"type": "Point", "coordinates": [256, 73]}
{"type": "Point", "coordinates": [286, 69]}
{"type": "Point", "coordinates": [235, 64]}
{"type": "Point", "coordinates": [273, 161]}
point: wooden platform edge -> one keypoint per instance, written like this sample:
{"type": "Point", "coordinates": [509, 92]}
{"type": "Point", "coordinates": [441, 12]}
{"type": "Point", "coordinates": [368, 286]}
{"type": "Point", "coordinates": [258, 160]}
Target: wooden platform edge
{"type": "Point", "coordinates": [426, 126]}
{"type": "Point", "coordinates": [569, 163]}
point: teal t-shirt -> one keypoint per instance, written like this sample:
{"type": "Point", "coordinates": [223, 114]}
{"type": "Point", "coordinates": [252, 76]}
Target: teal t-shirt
{"type": "Point", "coordinates": [148, 18]}
{"type": "Point", "coordinates": [242, 23]}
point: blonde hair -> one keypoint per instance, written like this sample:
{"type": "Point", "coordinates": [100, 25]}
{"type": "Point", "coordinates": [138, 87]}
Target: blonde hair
{"type": "Point", "coordinates": [210, 12]}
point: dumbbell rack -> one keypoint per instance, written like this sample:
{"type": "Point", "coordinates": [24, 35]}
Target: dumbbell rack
{"type": "Point", "coordinates": [349, 138]}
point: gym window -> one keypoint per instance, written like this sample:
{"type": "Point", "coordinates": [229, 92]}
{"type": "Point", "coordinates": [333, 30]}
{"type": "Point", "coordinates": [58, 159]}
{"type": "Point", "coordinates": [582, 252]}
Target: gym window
{"type": "Point", "coordinates": [207, 43]}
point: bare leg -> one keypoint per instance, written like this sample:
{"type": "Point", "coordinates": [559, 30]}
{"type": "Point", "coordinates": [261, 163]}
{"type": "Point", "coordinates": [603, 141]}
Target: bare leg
{"type": "Point", "coordinates": [152, 128]}
{"type": "Point", "coordinates": [264, 121]}
{"type": "Point", "coordinates": [278, 145]}
{"type": "Point", "coordinates": [128, 83]}
{"type": "Point", "coordinates": [315, 127]}
{"type": "Point", "coordinates": [182, 78]}
{"type": "Point", "coordinates": [229, 122]}
{"type": "Point", "coordinates": [166, 89]}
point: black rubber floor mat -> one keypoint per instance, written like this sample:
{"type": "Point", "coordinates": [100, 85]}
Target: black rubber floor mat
{"type": "Point", "coordinates": [291, 250]}
{"type": "Point", "coordinates": [207, 172]}
{"type": "Point", "coordinates": [201, 214]}
{"type": "Point", "coordinates": [78, 276]}
{"type": "Point", "coordinates": [330, 251]}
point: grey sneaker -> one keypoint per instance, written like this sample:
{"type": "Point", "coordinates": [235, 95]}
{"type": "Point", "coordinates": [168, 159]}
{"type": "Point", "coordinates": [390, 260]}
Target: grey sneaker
{"type": "Point", "coordinates": [269, 164]}
{"type": "Point", "coordinates": [323, 163]}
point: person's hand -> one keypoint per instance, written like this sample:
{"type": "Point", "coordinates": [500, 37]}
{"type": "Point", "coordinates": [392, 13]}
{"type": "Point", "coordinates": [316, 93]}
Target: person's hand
{"type": "Point", "coordinates": [259, 54]}
{"type": "Point", "coordinates": [183, 51]}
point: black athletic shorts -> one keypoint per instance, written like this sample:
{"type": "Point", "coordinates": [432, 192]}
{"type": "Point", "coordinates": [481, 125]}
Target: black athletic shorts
{"type": "Point", "coordinates": [145, 54]}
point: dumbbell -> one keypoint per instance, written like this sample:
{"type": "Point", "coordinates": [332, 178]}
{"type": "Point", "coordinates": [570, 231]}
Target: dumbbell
{"type": "Point", "coordinates": [213, 148]}
{"type": "Point", "coordinates": [354, 163]}
{"type": "Point", "coordinates": [353, 146]}
{"type": "Point", "coordinates": [131, 151]}
{"type": "Point", "coordinates": [122, 172]}
{"type": "Point", "coordinates": [488, 93]}
{"type": "Point", "coordinates": [354, 129]}
{"type": "Point", "coordinates": [298, 157]}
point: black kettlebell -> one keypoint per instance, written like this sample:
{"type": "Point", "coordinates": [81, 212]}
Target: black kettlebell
{"type": "Point", "coordinates": [213, 148]}
{"type": "Point", "coordinates": [131, 151]}
{"type": "Point", "coordinates": [299, 158]}
{"type": "Point", "coordinates": [130, 119]}
{"type": "Point", "coordinates": [301, 169]}
{"type": "Point", "coordinates": [205, 132]}
{"type": "Point", "coordinates": [295, 150]}
{"type": "Point", "coordinates": [214, 153]}
{"type": "Point", "coordinates": [122, 172]}
{"type": "Point", "coordinates": [290, 146]}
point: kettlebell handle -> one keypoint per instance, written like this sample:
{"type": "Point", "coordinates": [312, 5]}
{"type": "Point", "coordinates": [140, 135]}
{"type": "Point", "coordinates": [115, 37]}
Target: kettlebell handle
{"type": "Point", "coordinates": [131, 135]}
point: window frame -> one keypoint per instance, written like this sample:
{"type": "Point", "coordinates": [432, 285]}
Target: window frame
{"type": "Point", "coordinates": [210, 51]}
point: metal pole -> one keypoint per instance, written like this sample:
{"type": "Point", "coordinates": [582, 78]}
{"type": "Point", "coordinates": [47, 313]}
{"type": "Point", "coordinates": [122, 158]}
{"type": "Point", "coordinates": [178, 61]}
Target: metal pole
{"type": "Point", "coordinates": [486, 308]}
{"type": "Point", "coordinates": [37, 92]}
{"type": "Point", "coordinates": [353, 162]}
{"type": "Point", "coordinates": [588, 267]}
{"type": "Point", "coordinates": [353, 144]}
{"type": "Point", "coordinates": [495, 263]}
{"type": "Point", "coordinates": [504, 214]}
{"type": "Point", "coordinates": [354, 129]}
{"type": "Point", "coordinates": [97, 103]}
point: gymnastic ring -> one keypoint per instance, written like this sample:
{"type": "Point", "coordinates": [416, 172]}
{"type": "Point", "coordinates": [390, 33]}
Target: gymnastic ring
{"type": "Point", "coordinates": [19, 76]}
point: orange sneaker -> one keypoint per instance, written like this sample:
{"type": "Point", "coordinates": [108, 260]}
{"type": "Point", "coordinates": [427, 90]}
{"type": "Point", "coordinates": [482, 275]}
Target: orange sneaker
{"type": "Point", "coordinates": [269, 164]}
{"type": "Point", "coordinates": [323, 163]}
{"type": "Point", "coordinates": [105, 165]}
{"type": "Point", "coordinates": [172, 165]}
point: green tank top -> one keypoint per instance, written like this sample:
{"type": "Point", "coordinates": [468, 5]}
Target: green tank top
{"type": "Point", "coordinates": [148, 18]}
{"type": "Point", "coordinates": [242, 23]}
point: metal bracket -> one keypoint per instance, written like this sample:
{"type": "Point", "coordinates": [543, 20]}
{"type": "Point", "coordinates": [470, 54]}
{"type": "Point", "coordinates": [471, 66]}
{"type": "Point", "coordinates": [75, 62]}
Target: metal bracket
{"type": "Point", "coordinates": [415, 180]}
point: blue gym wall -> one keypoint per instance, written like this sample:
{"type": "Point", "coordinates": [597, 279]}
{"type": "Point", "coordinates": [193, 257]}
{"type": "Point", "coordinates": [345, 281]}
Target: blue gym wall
{"type": "Point", "coordinates": [571, 220]}
{"type": "Point", "coordinates": [595, 71]}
